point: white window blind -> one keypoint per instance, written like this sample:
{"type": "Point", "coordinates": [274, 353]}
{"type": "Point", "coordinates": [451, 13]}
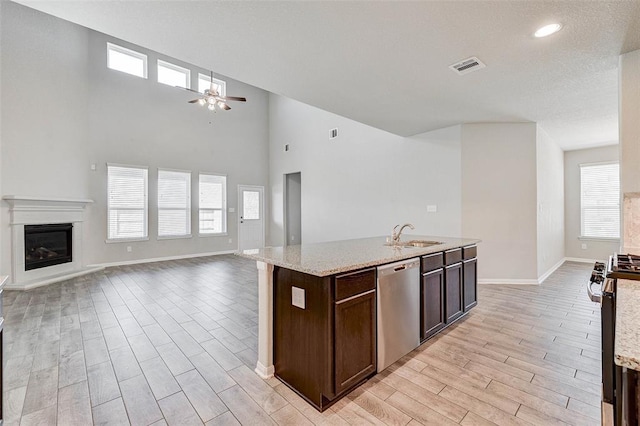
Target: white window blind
{"type": "Point", "coordinates": [173, 75]}
{"type": "Point", "coordinates": [213, 204]}
{"type": "Point", "coordinates": [126, 60]}
{"type": "Point", "coordinates": [127, 202]}
{"type": "Point", "coordinates": [600, 200]}
{"type": "Point", "coordinates": [174, 203]}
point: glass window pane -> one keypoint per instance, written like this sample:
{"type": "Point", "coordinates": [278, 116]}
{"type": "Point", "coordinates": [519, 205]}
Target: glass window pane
{"type": "Point", "coordinates": [210, 221]}
{"type": "Point", "coordinates": [250, 205]}
{"type": "Point", "coordinates": [173, 75]}
{"type": "Point", "coordinates": [126, 60]}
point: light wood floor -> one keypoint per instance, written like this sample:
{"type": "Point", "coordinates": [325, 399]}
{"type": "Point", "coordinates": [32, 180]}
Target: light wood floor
{"type": "Point", "coordinates": [175, 342]}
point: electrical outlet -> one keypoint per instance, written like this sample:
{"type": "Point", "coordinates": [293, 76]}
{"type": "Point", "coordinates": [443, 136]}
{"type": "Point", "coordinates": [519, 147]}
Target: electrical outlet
{"type": "Point", "coordinates": [129, 249]}
{"type": "Point", "coordinates": [432, 208]}
{"type": "Point", "coordinates": [584, 246]}
{"type": "Point", "coordinates": [230, 240]}
{"type": "Point", "coordinates": [94, 167]}
{"type": "Point", "coordinates": [293, 237]}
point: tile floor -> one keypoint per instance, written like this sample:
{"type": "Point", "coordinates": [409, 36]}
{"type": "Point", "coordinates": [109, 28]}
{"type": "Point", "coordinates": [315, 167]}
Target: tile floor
{"type": "Point", "coordinates": [175, 343]}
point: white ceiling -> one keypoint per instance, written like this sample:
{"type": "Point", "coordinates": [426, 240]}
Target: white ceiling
{"type": "Point", "coordinates": [385, 63]}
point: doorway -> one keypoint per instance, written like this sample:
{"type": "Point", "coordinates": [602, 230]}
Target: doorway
{"type": "Point", "coordinates": [250, 217]}
{"type": "Point", "coordinates": [292, 209]}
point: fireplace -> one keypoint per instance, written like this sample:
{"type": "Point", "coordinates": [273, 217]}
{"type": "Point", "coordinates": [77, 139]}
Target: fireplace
{"type": "Point", "coordinates": [47, 245]}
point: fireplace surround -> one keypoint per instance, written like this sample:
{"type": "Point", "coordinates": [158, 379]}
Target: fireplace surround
{"type": "Point", "coordinates": [64, 215]}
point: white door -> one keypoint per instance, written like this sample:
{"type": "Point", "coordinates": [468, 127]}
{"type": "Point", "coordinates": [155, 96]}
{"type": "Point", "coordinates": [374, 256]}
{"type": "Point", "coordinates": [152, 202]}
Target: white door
{"type": "Point", "coordinates": [250, 217]}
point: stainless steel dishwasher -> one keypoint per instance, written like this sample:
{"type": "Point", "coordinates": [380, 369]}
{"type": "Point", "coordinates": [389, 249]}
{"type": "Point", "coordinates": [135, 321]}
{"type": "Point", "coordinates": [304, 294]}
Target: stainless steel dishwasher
{"type": "Point", "coordinates": [398, 310]}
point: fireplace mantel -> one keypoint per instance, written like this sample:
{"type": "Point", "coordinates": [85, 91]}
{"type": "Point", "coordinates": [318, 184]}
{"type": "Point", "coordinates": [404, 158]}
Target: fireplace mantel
{"type": "Point", "coordinates": [26, 210]}
{"type": "Point", "coordinates": [30, 210]}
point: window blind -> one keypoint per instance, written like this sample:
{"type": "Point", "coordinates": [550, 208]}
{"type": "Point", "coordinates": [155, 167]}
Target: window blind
{"type": "Point", "coordinates": [212, 204]}
{"type": "Point", "coordinates": [127, 202]}
{"type": "Point", "coordinates": [174, 203]}
{"type": "Point", "coordinates": [600, 200]}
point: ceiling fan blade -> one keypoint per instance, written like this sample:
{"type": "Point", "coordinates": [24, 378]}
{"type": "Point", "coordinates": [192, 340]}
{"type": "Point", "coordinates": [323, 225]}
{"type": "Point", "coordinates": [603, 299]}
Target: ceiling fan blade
{"type": "Point", "coordinates": [235, 98]}
{"type": "Point", "coordinates": [224, 106]}
{"type": "Point", "coordinates": [194, 101]}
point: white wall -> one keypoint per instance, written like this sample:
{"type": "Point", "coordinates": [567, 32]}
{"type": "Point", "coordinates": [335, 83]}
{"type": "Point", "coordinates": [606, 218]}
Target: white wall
{"type": "Point", "coordinates": [551, 218]}
{"type": "Point", "coordinates": [596, 249]}
{"type": "Point", "coordinates": [45, 97]}
{"type": "Point", "coordinates": [629, 117]}
{"type": "Point", "coordinates": [499, 199]}
{"type": "Point", "coordinates": [69, 111]}
{"type": "Point", "coordinates": [365, 181]}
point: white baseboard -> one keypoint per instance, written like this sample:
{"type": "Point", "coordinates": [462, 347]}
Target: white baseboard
{"type": "Point", "coordinates": [28, 285]}
{"type": "Point", "coordinates": [581, 260]}
{"type": "Point", "coordinates": [551, 270]}
{"type": "Point", "coordinates": [504, 281]}
{"type": "Point", "coordinates": [263, 371]}
{"type": "Point", "coordinates": [161, 259]}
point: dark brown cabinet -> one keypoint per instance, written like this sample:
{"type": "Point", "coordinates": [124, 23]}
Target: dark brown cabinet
{"type": "Point", "coordinates": [432, 317]}
{"type": "Point", "coordinates": [355, 340]}
{"type": "Point", "coordinates": [454, 291]}
{"type": "Point", "coordinates": [470, 280]}
{"type": "Point", "coordinates": [324, 332]}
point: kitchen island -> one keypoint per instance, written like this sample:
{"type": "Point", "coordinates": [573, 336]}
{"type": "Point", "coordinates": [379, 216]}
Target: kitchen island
{"type": "Point", "coordinates": [317, 306]}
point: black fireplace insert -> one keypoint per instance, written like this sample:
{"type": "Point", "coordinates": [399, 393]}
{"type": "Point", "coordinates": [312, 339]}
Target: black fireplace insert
{"type": "Point", "coordinates": [47, 245]}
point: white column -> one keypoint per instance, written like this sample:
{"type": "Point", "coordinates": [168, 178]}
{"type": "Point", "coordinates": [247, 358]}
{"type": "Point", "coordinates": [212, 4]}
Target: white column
{"type": "Point", "coordinates": [264, 368]}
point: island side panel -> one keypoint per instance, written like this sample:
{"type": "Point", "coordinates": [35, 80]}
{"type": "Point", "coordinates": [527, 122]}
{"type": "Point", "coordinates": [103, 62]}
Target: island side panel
{"type": "Point", "coordinates": [264, 367]}
{"type": "Point", "coordinates": [303, 333]}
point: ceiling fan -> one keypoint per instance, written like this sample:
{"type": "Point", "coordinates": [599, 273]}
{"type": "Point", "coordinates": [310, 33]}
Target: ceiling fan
{"type": "Point", "coordinates": [212, 99]}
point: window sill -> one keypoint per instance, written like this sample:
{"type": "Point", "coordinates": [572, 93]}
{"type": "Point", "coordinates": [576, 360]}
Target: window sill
{"type": "Point", "coordinates": [174, 237]}
{"type": "Point", "coordinates": [611, 240]}
{"type": "Point", "coordinates": [125, 240]}
{"type": "Point", "coordinates": [221, 234]}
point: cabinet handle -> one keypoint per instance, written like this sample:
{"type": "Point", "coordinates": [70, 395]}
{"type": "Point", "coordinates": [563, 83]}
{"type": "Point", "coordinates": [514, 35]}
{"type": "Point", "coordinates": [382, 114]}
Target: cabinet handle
{"type": "Point", "coordinates": [470, 260]}
{"type": "Point", "coordinates": [435, 271]}
{"type": "Point", "coordinates": [356, 296]}
{"type": "Point", "coordinates": [453, 266]}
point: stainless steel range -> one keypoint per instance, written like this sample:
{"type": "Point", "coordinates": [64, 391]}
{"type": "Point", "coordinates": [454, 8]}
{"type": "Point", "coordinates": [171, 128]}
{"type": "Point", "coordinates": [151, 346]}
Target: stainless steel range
{"type": "Point", "coordinates": [619, 402]}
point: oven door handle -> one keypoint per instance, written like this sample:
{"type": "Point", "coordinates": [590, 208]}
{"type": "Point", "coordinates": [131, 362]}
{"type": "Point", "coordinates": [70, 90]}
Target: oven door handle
{"type": "Point", "coordinates": [595, 297]}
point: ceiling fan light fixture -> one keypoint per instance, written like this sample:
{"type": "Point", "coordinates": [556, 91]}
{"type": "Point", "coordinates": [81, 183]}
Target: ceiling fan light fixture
{"type": "Point", "coordinates": [547, 30]}
{"type": "Point", "coordinates": [202, 101]}
{"type": "Point", "coordinates": [211, 100]}
{"type": "Point", "coordinates": [212, 107]}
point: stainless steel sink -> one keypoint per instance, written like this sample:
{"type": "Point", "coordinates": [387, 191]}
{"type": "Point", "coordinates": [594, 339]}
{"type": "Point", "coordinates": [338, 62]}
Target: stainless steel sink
{"type": "Point", "coordinates": [414, 243]}
{"type": "Point", "coordinates": [420, 243]}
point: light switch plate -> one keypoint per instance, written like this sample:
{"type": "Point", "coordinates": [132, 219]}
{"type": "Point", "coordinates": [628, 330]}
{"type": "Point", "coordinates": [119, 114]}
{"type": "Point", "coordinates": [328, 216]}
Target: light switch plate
{"type": "Point", "coordinates": [232, 209]}
{"type": "Point", "coordinates": [297, 297]}
{"type": "Point", "coordinates": [432, 208]}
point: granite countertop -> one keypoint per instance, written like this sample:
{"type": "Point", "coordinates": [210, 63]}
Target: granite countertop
{"type": "Point", "coordinates": [627, 350]}
{"type": "Point", "coordinates": [323, 259]}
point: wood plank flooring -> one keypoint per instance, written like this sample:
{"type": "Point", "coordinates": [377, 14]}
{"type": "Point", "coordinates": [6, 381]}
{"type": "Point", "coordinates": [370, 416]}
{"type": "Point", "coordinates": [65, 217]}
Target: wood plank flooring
{"type": "Point", "coordinates": [175, 343]}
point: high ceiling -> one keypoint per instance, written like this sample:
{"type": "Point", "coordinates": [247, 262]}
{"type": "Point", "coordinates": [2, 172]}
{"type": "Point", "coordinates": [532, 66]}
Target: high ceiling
{"type": "Point", "coordinates": [385, 63]}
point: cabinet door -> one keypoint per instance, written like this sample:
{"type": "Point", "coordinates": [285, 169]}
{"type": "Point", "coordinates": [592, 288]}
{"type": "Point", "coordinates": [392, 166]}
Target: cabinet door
{"type": "Point", "coordinates": [453, 297]}
{"type": "Point", "coordinates": [431, 303]}
{"type": "Point", "coordinates": [355, 340]}
{"type": "Point", "coordinates": [470, 279]}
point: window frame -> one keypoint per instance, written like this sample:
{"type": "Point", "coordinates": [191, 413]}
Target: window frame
{"type": "Point", "coordinates": [223, 209]}
{"type": "Point", "coordinates": [146, 205]}
{"type": "Point", "coordinates": [132, 53]}
{"type": "Point", "coordinates": [582, 208]}
{"type": "Point", "coordinates": [174, 67]}
{"type": "Point", "coordinates": [207, 78]}
{"type": "Point", "coordinates": [188, 206]}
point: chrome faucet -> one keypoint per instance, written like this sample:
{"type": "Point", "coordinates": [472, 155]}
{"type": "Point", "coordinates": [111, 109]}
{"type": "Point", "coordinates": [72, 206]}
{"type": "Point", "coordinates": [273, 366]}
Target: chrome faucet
{"type": "Point", "coordinates": [395, 236]}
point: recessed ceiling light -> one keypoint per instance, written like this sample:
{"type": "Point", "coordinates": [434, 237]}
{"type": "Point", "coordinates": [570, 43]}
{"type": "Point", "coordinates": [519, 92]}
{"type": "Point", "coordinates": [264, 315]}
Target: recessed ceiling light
{"type": "Point", "coordinates": [547, 30]}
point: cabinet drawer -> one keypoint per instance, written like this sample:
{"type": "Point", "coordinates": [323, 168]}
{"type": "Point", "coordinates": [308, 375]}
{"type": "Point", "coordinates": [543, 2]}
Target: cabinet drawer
{"type": "Point", "coordinates": [452, 256]}
{"type": "Point", "coordinates": [432, 262]}
{"type": "Point", "coordinates": [355, 283]}
{"type": "Point", "coordinates": [469, 252]}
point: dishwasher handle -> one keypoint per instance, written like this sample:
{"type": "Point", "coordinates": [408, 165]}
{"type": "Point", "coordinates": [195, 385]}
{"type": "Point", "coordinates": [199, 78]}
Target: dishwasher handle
{"type": "Point", "coordinates": [398, 267]}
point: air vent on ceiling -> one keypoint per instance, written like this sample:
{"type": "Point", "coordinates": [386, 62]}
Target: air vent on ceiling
{"type": "Point", "coordinates": [467, 65]}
